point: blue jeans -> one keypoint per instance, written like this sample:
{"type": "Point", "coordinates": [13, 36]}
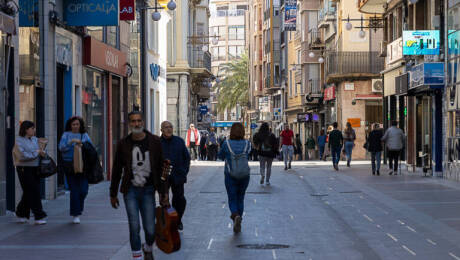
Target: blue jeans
{"type": "Point", "coordinates": [321, 152]}
{"type": "Point", "coordinates": [236, 189]}
{"type": "Point", "coordinates": [349, 149]}
{"type": "Point", "coordinates": [375, 158]}
{"type": "Point", "coordinates": [335, 151]}
{"type": "Point", "coordinates": [288, 152]}
{"type": "Point", "coordinates": [140, 199]}
{"type": "Point", "coordinates": [78, 185]}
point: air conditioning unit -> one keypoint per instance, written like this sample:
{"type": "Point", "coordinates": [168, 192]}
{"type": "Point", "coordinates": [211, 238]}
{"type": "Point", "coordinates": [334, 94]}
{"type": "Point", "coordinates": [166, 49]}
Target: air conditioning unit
{"type": "Point", "coordinates": [383, 49]}
{"type": "Point", "coordinates": [377, 86]}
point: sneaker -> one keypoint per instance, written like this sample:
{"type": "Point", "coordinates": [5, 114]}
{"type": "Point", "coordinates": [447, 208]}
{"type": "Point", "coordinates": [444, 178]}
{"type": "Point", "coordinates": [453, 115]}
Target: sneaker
{"type": "Point", "coordinates": [378, 173]}
{"type": "Point", "coordinates": [137, 255]}
{"type": "Point", "coordinates": [267, 183]}
{"type": "Point", "coordinates": [285, 168]}
{"type": "Point", "coordinates": [262, 180]}
{"type": "Point", "coordinates": [40, 222]}
{"type": "Point", "coordinates": [390, 173]}
{"type": "Point", "coordinates": [76, 220]}
{"type": "Point", "coordinates": [348, 164]}
{"type": "Point", "coordinates": [373, 173]}
{"type": "Point", "coordinates": [180, 226]}
{"type": "Point", "coordinates": [21, 220]}
{"type": "Point", "coordinates": [148, 255]}
{"type": "Point", "coordinates": [289, 166]}
{"type": "Point", "coordinates": [237, 224]}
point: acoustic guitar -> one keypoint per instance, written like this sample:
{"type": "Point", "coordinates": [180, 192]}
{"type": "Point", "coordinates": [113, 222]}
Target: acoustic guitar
{"type": "Point", "coordinates": [166, 233]}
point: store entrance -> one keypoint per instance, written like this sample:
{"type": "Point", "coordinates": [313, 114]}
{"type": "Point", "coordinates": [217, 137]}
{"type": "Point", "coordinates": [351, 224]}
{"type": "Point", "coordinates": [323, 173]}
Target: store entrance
{"type": "Point", "coordinates": [423, 131]}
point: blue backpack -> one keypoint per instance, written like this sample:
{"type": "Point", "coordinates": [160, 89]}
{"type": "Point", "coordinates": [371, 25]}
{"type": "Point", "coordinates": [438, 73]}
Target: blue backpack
{"type": "Point", "coordinates": [238, 165]}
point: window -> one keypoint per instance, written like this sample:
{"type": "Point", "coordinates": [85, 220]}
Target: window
{"type": "Point", "coordinates": [112, 36]}
{"type": "Point", "coordinates": [222, 53]}
{"type": "Point", "coordinates": [236, 32]}
{"type": "Point", "coordinates": [222, 7]}
{"type": "Point", "coordinates": [232, 51]}
{"type": "Point", "coordinates": [215, 53]}
{"type": "Point", "coordinates": [96, 32]}
{"type": "Point", "coordinates": [242, 7]}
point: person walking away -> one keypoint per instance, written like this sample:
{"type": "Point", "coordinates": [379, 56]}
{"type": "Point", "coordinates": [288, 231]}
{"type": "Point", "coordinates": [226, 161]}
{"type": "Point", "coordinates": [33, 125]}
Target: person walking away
{"type": "Point", "coordinates": [267, 149]}
{"type": "Point", "coordinates": [349, 137]}
{"type": "Point", "coordinates": [26, 156]}
{"type": "Point", "coordinates": [287, 147]}
{"type": "Point", "coordinates": [335, 145]}
{"type": "Point", "coordinates": [298, 148]}
{"type": "Point", "coordinates": [193, 139]}
{"type": "Point", "coordinates": [176, 152]}
{"type": "Point", "coordinates": [374, 146]}
{"type": "Point", "coordinates": [138, 165]}
{"type": "Point", "coordinates": [235, 153]}
{"type": "Point", "coordinates": [394, 140]}
{"type": "Point", "coordinates": [311, 147]}
{"type": "Point", "coordinates": [75, 134]}
{"type": "Point", "coordinates": [212, 145]}
{"type": "Point", "coordinates": [203, 147]}
{"type": "Point", "coordinates": [321, 142]}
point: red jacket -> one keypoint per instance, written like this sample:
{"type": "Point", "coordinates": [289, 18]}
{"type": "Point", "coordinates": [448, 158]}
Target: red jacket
{"type": "Point", "coordinates": [197, 137]}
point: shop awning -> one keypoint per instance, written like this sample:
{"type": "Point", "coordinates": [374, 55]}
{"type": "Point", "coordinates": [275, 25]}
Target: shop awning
{"type": "Point", "coordinates": [372, 6]}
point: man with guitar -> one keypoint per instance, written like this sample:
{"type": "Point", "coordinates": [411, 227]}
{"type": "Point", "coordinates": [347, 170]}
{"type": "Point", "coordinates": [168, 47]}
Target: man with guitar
{"type": "Point", "coordinates": [138, 165]}
{"type": "Point", "coordinates": [174, 149]}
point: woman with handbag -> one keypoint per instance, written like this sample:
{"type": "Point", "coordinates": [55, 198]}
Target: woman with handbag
{"type": "Point", "coordinates": [26, 155]}
{"type": "Point", "coordinates": [72, 164]}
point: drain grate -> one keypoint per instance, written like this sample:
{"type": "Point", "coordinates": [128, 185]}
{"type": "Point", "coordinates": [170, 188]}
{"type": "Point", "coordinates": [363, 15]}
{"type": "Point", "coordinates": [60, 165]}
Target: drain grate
{"type": "Point", "coordinates": [210, 192]}
{"type": "Point", "coordinates": [258, 192]}
{"type": "Point", "coordinates": [262, 246]}
{"type": "Point", "coordinates": [352, 191]}
{"type": "Point", "coordinates": [319, 195]}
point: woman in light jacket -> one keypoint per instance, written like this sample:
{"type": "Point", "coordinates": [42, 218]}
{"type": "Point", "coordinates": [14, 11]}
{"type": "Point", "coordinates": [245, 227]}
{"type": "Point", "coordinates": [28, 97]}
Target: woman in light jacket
{"type": "Point", "coordinates": [75, 134]}
{"type": "Point", "coordinates": [26, 159]}
{"type": "Point", "coordinates": [236, 188]}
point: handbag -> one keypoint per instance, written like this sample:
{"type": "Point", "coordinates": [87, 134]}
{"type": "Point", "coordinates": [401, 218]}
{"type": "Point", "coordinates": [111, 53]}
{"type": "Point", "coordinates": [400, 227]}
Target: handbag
{"type": "Point", "coordinates": [47, 167]}
{"type": "Point", "coordinates": [77, 160]}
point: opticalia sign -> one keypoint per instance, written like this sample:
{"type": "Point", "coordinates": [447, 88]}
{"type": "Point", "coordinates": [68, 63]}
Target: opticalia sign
{"type": "Point", "coordinates": [91, 12]}
{"type": "Point", "coordinates": [421, 42]}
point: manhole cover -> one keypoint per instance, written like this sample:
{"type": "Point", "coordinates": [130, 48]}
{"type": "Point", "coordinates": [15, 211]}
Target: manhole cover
{"type": "Point", "coordinates": [262, 246]}
{"type": "Point", "coordinates": [352, 191]}
{"type": "Point", "coordinates": [318, 195]}
{"type": "Point", "coordinates": [210, 192]}
{"type": "Point", "coordinates": [258, 192]}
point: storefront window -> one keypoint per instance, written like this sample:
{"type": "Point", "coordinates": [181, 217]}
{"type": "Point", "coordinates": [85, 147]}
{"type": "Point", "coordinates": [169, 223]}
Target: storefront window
{"type": "Point", "coordinates": [93, 108]}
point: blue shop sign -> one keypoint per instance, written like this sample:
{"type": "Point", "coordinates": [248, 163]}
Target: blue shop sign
{"type": "Point", "coordinates": [223, 123]}
{"type": "Point", "coordinates": [203, 110]}
{"type": "Point", "coordinates": [427, 74]}
{"type": "Point", "coordinates": [28, 11]}
{"type": "Point", "coordinates": [154, 71]}
{"type": "Point", "coordinates": [91, 12]}
{"type": "Point", "coordinates": [253, 125]}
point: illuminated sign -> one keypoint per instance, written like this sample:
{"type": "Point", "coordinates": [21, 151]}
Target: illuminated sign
{"type": "Point", "coordinates": [421, 42]}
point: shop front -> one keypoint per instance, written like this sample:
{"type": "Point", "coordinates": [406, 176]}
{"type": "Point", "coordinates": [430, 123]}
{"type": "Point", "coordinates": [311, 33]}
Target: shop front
{"type": "Point", "coordinates": [104, 107]}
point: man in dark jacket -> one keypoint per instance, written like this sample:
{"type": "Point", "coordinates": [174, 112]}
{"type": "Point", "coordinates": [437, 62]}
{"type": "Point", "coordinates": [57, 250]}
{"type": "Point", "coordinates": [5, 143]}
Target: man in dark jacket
{"type": "Point", "coordinates": [174, 149]}
{"type": "Point", "coordinates": [138, 164]}
{"type": "Point", "coordinates": [374, 146]}
{"type": "Point", "coordinates": [335, 145]}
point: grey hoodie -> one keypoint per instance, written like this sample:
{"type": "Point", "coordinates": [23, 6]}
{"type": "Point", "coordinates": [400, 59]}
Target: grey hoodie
{"type": "Point", "coordinates": [394, 138]}
{"type": "Point", "coordinates": [28, 151]}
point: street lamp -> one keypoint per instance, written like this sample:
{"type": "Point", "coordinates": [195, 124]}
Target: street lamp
{"type": "Point", "coordinates": [311, 54]}
{"type": "Point", "coordinates": [321, 59]}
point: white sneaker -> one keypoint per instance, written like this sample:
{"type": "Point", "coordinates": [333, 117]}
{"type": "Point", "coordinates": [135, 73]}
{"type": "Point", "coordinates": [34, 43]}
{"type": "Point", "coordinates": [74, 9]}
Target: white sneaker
{"type": "Point", "coordinates": [267, 183]}
{"type": "Point", "coordinates": [40, 222]}
{"type": "Point", "coordinates": [76, 220]}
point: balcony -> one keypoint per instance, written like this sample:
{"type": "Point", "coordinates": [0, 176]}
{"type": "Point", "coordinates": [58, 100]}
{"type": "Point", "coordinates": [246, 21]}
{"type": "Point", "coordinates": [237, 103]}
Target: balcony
{"type": "Point", "coordinates": [315, 40]}
{"type": "Point", "coordinates": [314, 87]}
{"type": "Point", "coordinates": [201, 59]}
{"type": "Point", "coordinates": [327, 15]}
{"type": "Point", "coordinates": [372, 6]}
{"type": "Point", "coordinates": [343, 65]}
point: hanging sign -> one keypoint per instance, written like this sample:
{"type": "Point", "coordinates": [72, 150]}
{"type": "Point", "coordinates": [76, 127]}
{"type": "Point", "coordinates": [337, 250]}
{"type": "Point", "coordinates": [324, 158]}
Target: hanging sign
{"type": "Point", "coordinates": [424, 42]}
{"type": "Point", "coordinates": [91, 12]}
{"type": "Point", "coordinates": [290, 15]}
{"type": "Point", "coordinates": [127, 10]}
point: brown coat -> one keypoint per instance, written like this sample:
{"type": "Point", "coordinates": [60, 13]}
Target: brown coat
{"type": "Point", "coordinates": [122, 164]}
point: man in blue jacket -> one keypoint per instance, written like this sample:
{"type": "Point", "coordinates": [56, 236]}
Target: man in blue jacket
{"type": "Point", "coordinates": [174, 149]}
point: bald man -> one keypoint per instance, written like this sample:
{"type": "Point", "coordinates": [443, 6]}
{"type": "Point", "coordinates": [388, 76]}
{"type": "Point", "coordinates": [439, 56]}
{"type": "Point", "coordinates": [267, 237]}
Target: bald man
{"type": "Point", "coordinates": [174, 149]}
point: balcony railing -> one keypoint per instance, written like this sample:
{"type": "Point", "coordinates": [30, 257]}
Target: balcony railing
{"type": "Point", "coordinates": [354, 63]}
{"type": "Point", "coordinates": [314, 38]}
{"type": "Point", "coordinates": [200, 59]}
{"type": "Point", "coordinates": [314, 86]}
{"type": "Point", "coordinates": [328, 10]}
{"type": "Point", "coordinates": [225, 13]}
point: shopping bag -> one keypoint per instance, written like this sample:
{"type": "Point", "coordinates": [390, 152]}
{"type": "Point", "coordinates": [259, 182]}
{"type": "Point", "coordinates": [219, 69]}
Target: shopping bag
{"type": "Point", "coordinates": [77, 159]}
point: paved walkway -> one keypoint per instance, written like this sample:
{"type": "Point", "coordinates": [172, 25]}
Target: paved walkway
{"type": "Point", "coordinates": [315, 212]}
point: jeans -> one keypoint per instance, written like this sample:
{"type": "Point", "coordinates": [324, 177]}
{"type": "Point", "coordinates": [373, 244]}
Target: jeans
{"type": "Point", "coordinates": [236, 190]}
{"type": "Point", "coordinates": [31, 199]}
{"type": "Point", "coordinates": [321, 152]}
{"type": "Point", "coordinates": [349, 149]}
{"type": "Point", "coordinates": [178, 199]}
{"type": "Point", "coordinates": [78, 185]}
{"type": "Point", "coordinates": [335, 151]}
{"type": "Point", "coordinates": [288, 151]}
{"type": "Point", "coordinates": [140, 199]}
{"type": "Point", "coordinates": [193, 152]}
{"type": "Point", "coordinates": [376, 158]}
{"type": "Point", "coordinates": [393, 157]}
{"type": "Point", "coordinates": [266, 163]}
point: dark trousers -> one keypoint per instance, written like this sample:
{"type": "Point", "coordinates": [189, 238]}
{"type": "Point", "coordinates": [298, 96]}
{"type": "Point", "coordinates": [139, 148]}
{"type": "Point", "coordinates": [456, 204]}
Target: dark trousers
{"type": "Point", "coordinates": [78, 185]}
{"type": "Point", "coordinates": [335, 151]}
{"type": "Point", "coordinates": [193, 152]}
{"type": "Point", "coordinates": [236, 189]}
{"type": "Point", "coordinates": [393, 157]}
{"type": "Point", "coordinates": [178, 199]}
{"type": "Point", "coordinates": [212, 152]}
{"type": "Point", "coordinates": [31, 197]}
{"type": "Point", "coordinates": [203, 153]}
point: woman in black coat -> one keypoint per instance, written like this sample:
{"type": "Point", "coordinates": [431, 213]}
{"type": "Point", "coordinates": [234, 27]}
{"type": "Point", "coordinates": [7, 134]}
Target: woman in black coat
{"type": "Point", "coordinates": [375, 147]}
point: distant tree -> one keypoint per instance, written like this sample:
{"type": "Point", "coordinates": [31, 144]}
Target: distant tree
{"type": "Point", "coordinates": [234, 86]}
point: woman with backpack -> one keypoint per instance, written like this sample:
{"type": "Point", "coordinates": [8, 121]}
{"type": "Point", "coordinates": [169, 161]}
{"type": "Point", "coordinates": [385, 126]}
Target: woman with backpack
{"type": "Point", "coordinates": [349, 138]}
{"type": "Point", "coordinates": [235, 153]}
{"type": "Point", "coordinates": [75, 134]}
{"type": "Point", "coordinates": [266, 145]}
{"type": "Point", "coordinates": [26, 155]}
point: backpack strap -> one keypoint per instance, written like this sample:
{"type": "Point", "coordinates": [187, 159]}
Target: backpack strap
{"type": "Point", "coordinates": [229, 148]}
